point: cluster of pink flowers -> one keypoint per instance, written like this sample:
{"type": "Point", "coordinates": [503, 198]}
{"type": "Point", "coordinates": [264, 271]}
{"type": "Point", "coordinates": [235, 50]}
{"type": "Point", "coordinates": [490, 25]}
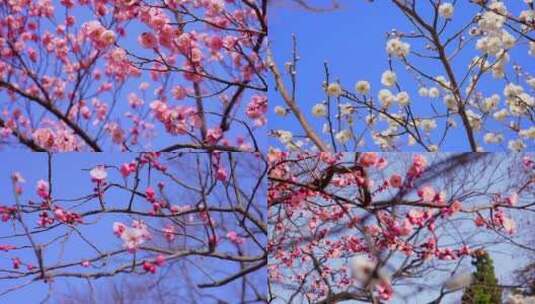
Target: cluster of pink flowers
{"type": "Point", "coordinates": [371, 159]}
{"type": "Point", "coordinates": [178, 120]}
{"type": "Point", "coordinates": [43, 189]}
{"type": "Point", "coordinates": [57, 138]}
{"type": "Point", "coordinates": [219, 170]}
{"type": "Point", "coordinates": [323, 212]}
{"type": "Point", "coordinates": [7, 247]}
{"type": "Point", "coordinates": [132, 236]}
{"type": "Point", "coordinates": [220, 46]}
{"type": "Point", "coordinates": [98, 34]}
{"type": "Point", "coordinates": [8, 213]}
{"type": "Point", "coordinates": [128, 168]}
{"type": "Point", "coordinates": [157, 204]}
{"type": "Point", "coordinates": [257, 108]}
{"type": "Point", "coordinates": [419, 163]}
{"type": "Point", "coordinates": [67, 217]}
{"type": "Point", "coordinates": [44, 219]}
{"type": "Point", "coordinates": [150, 266]}
{"type": "Point", "coordinates": [235, 238]}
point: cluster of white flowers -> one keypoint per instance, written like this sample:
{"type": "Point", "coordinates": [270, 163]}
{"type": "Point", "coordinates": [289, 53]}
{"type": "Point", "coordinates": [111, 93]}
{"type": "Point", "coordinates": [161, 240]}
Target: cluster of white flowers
{"type": "Point", "coordinates": [398, 48]}
{"type": "Point", "coordinates": [388, 78]}
{"type": "Point", "coordinates": [362, 87]}
{"type": "Point", "coordinates": [346, 109]}
{"type": "Point", "coordinates": [494, 38]}
{"type": "Point", "coordinates": [528, 133]}
{"type": "Point", "coordinates": [497, 67]}
{"type": "Point", "coordinates": [428, 125]}
{"type": "Point", "coordinates": [334, 89]}
{"type": "Point", "coordinates": [520, 299]}
{"type": "Point", "coordinates": [493, 42]}
{"type": "Point", "coordinates": [403, 98]}
{"type": "Point", "coordinates": [519, 102]}
{"type": "Point", "coordinates": [500, 115]}
{"type": "Point", "coordinates": [386, 97]}
{"type": "Point", "coordinates": [431, 92]}
{"type": "Point", "coordinates": [285, 137]}
{"type": "Point", "coordinates": [490, 103]}
{"type": "Point", "coordinates": [362, 267]}
{"type": "Point", "coordinates": [343, 136]}
{"type": "Point", "coordinates": [451, 102]}
{"type": "Point", "coordinates": [280, 111]}
{"type": "Point", "coordinates": [446, 10]}
{"type": "Point", "coordinates": [493, 138]}
{"type": "Point", "coordinates": [319, 110]}
{"type": "Point", "coordinates": [474, 120]}
{"type": "Point", "coordinates": [516, 145]}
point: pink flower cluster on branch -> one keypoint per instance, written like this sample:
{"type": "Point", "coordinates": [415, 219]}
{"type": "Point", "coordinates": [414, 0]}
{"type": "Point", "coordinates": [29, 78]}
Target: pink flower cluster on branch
{"type": "Point", "coordinates": [76, 74]}
{"type": "Point", "coordinates": [166, 210]}
{"type": "Point", "coordinates": [400, 213]}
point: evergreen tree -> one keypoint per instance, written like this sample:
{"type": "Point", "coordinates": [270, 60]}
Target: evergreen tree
{"type": "Point", "coordinates": [484, 288]}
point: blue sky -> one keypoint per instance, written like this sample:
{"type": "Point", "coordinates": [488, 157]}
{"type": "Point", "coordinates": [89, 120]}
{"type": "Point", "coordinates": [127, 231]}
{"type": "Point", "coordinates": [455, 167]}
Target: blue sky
{"type": "Point", "coordinates": [352, 41]}
{"type": "Point", "coordinates": [71, 181]}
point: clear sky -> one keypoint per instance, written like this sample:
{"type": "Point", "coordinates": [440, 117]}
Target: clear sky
{"type": "Point", "coordinates": [352, 41]}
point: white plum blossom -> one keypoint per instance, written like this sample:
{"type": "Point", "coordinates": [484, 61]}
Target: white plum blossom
{"type": "Point", "coordinates": [520, 299]}
{"type": "Point", "coordinates": [516, 145]}
{"type": "Point", "coordinates": [509, 225]}
{"type": "Point", "coordinates": [512, 90]}
{"type": "Point", "coordinates": [473, 119]}
{"type": "Point", "coordinates": [386, 97]}
{"type": "Point", "coordinates": [434, 92]}
{"type": "Point", "coordinates": [493, 138]}
{"type": "Point", "coordinates": [403, 98]}
{"type": "Point", "coordinates": [446, 10]}
{"type": "Point", "coordinates": [428, 125]}
{"type": "Point", "coordinates": [528, 133]}
{"type": "Point", "coordinates": [490, 103]}
{"type": "Point", "coordinates": [285, 137]}
{"type": "Point", "coordinates": [398, 48]}
{"type": "Point", "coordinates": [280, 111]}
{"type": "Point", "coordinates": [362, 268]}
{"type": "Point", "coordinates": [319, 110]}
{"type": "Point", "coordinates": [343, 136]}
{"type": "Point", "coordinates": [450, 102]}
{"type": "Point", "coordinates": [423, 91]}
{"type": "Point", "coordinates": [346, 109]}
{"type": "Point", "coordinates": [334, 89]}
{"type": "Point", "coordinates": [388, 78]}
{"type": "Point", "coordinates": [98, 173]}
{"type": "Point", "coordinates": [500, 115]}
{"type": "Point", "coordinates": [362, 87]}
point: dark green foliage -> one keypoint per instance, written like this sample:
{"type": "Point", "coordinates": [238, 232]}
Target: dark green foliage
{"type": "Point", "coordinates": [484, 289]}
